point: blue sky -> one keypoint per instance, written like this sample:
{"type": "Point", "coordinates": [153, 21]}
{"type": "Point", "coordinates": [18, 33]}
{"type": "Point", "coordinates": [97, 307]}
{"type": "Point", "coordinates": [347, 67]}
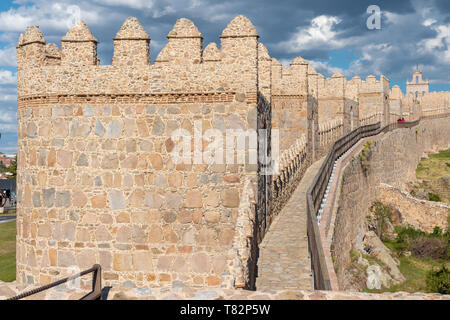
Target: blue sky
{"type": "Point", "coordinates": [331, 35]}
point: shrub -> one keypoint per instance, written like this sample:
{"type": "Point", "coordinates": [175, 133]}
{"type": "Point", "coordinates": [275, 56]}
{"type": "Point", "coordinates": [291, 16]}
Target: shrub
{"type": "Point", "coordinates": [429, 247]}
{"type": "Point", "coordinates": [437, 232]}
{"type": "Point", "coordinates": [404, 235]}
{"type": "Point", "coordinates": [365, 155]}
{"type": "Point", "coordinates": [438, 281]}
{"type": "Point", "coordinates": [434, 197]}
{"type": "Point", "coordinates": [382, 215]}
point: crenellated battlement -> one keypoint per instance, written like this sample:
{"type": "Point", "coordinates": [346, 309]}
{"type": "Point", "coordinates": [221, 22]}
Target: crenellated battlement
{"type": "Point", "coordinates": [181, 66]}
{"type": "Point", "coordinates": [372, 85]}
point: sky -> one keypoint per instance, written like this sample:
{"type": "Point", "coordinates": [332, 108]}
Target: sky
{"type": "Point", "coordinates": [332, 35]}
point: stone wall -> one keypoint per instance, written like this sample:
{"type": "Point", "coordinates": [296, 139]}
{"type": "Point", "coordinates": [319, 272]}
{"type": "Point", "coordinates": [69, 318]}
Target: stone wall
{"type": "Point", "coordinates": [7, 290]}
{"type": "Point", "coordinates": [387, 161]}
{"type": "Point", "coordinates": [290, 100]}
{"type": "Point", "coordinates": [420, 214]}
{"type": "Point", "coordinates": [97, 179]}
{"type": "Point", "coordinates": [97, 182]}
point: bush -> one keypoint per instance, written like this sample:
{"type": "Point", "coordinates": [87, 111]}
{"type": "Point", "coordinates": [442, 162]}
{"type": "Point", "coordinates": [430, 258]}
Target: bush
{"type": "Point", "coordinates": [382, 216]}
{"type": "Point", "coordinates": [434, 197]}
{"type": "Point", "coordinates": [405, 235]}
{"type": "Point", "coordinates": [439, 281]}
{"type": "Point", "coordinates": [429, 247]}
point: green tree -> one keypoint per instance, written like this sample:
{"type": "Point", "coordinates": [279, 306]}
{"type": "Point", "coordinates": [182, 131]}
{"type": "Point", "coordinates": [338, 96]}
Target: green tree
{"type": "Point", "coordinates": [13, 168]}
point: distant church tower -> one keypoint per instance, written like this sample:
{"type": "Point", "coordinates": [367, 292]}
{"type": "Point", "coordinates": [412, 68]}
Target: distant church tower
{"type": "Point", "coordinates": [417, 86]}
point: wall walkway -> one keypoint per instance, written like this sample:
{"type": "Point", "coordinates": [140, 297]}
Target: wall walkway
{"type": "Point", "coordinates": [283, 259]}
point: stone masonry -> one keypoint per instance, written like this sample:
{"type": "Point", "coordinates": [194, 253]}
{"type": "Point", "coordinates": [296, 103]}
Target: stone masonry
{"type": "Point", "coordinates": [97, 181]}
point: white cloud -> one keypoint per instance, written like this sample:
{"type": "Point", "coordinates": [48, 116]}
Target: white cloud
{"type": "Point", "coordinates": [429, 22]}
{"type": "Point", "coordinates": [442, 38]}
{"type": "Point", "coordinates": [50, 15]}
{"type": "Point", "coordinates": [8, 57]}
{"type": "Point", "coordinates": [15, 20]}
{"type": "Point", "coordinates": [325, 68]}
{"type": "Point", "coordinates": [7, 77]}
{"type": "Point", "coordinates": [8, 116]}
{"type": "Point", "coordinates": [136, 4]}
{"type": "Point", "coordinates": [438, 46]}
{"type": "Point", "coordinates": [8, 127]}
{"type": "Point", "coordinates": [320, 33]}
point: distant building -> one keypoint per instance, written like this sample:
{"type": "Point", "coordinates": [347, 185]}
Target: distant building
{"type": "Point", "coordinates": [417, 85]}
{"type": "Point", "coordinates": [6, 160]}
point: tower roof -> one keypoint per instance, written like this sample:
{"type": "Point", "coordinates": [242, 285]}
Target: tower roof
{"type": "Point", "coordinates": [298, 61]}
{"type": "Point", "coordinates": [184, 28]}
{"type": "Point", "coordinates": [263, 53]}
{"type": "Point", "coordinates": [79, 33]}
{"type": "Point", "coordinates": [131, 29]}
{"type": "Point", "coordinates": [52, 50]}
{"type": "Point", "coordinates": [337, 75]}
{"type": "Point", "coordinates": [32, 34]}
{"type": "Point", "coordinates": [211, 52]}
{"type": "Point", "coordinates": [240, 26]}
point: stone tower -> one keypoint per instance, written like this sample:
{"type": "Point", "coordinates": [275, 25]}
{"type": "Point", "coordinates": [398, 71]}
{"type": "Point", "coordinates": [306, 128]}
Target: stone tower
{"type": "Point", "coordinates": [97, 182]}
{"type": "Point", "coordinates": [417, 85]}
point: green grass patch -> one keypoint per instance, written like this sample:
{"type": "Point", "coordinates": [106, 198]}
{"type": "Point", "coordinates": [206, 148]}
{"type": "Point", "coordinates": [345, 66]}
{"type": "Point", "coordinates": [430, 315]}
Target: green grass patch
{"type": "Point", "coordinates": [8, 251]}
{"type": "Point", "coordinates": [445, 154]}
{"type": "Point", "coordinates": [430, 171]}
{"type": "Point", "coordinates": [416, 269]}
{"type": "Point", "coordinates": [434, 167]}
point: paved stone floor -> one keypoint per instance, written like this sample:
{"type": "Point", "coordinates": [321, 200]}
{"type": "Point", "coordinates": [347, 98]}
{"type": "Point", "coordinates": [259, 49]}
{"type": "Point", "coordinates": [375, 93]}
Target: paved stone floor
{"type": "Point", "coordinates": [284, 261]}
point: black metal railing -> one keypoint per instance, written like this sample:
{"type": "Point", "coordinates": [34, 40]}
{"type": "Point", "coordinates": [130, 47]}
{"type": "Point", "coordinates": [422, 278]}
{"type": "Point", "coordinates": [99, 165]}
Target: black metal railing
{"type": "Point", "coordinates": [95, 294]}
{"type": "Point", "coordinates": [317, 190]}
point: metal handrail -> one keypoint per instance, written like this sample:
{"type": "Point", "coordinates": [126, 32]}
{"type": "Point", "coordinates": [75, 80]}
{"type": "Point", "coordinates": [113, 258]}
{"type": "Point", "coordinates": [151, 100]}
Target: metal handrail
{"type": "Point", "coordinates": [316, 192]}
{"type": "Point", "coordinates": [95, 294]}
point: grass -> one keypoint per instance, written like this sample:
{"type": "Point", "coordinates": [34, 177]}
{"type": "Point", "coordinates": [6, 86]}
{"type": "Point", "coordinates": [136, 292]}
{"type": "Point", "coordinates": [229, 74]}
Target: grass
{"type": "Point", "coordinates": [441, 155]}
{"type": "Point", "coordinates": [430, 170]}
{"type": "Point", "coordinates": [414, 270]}
{"type": "Point", "coordinates": [8, 251]}
{"type": "Point", "coordinates": [434, 167]}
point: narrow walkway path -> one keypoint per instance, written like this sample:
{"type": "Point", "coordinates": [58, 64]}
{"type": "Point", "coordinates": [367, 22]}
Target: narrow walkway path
{"type": "Point", "coordinates": [5, 219]}
{"type": "Point", "coordinates": [284, 261]}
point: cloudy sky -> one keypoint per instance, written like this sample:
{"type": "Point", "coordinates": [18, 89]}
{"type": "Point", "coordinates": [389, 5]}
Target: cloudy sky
{"type": "Point", "coordinates": [332, 35]}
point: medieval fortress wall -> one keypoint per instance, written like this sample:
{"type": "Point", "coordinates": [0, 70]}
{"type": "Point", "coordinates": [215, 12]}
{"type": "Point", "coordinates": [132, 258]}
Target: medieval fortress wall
{"type": "Point", "coordinates": [97, 180]}
{"type": "Point", "coordinates": [392, 163]}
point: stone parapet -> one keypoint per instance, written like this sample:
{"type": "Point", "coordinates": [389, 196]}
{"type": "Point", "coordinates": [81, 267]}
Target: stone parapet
{"type": "Point", "coordinates": [8, 290]}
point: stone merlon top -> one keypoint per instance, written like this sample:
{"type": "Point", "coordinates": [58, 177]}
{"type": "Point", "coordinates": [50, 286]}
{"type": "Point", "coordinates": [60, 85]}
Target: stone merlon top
{"type": "Point", "coordinates": [311, 69]}
{"type": "Point", "coordinates": [275, 62]}
{"type": "Point", "coordinates": [263, 53]}
{"type": "Point", "coordinates": [131, 29]}
{"type": "Point", "coordinates": [163, 55]}
{"type": "Point", "coordinates": [184, 28]}
{"type": "Point", "coordinates": [240, 26]}
{"type": "Point", "coordinates": [31, 35]}
{"type": "Point", "coordinates": [79, 33]}
{"type": "Point", "coordinates": [337, 75]}
{"type": "Point", "coordinates": [211, 52]}
{"type": "Point", "coordinates": [298, 61]}
{"type": "Point", "coordinates": [52, 50]}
